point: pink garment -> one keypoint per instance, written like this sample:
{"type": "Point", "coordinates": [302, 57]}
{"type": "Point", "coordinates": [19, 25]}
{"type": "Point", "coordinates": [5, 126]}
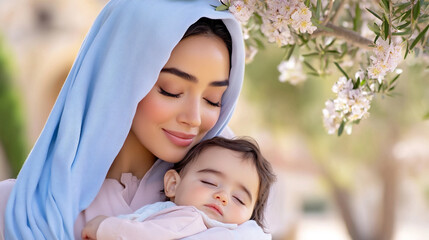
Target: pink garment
{"type": "Point", "coordinates": [171, 223]}
{"type": "Point", "coordinates": [114, 198]}
{"type": "Point", "coordinates": [125, 197]}
{"type": "Point", "coordinates": [5, 190]}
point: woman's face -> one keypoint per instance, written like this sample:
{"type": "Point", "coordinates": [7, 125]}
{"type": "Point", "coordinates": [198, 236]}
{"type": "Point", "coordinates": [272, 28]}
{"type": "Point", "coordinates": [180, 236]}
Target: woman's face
{"type": "Point", "coordinates": [185, 102]}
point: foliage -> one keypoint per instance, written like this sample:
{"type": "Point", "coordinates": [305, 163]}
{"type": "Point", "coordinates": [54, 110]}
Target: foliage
{"type": "Point", "coordinates": [12, 134]}
{"type": "Point", "coordinates": [373, 38]}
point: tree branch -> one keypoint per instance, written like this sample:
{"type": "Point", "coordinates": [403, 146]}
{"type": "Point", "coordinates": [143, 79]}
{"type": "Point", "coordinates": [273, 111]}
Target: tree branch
{"type": "Point", "coordinates": [349, 36]}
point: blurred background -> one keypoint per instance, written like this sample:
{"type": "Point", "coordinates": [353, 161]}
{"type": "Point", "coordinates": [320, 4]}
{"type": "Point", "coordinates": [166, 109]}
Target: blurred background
{"type": "Point", "coordinates": [371, 185]}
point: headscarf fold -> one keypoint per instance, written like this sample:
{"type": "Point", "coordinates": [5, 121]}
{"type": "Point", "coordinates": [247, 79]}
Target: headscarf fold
{"type": "Point", "coordinates": [117, 65]}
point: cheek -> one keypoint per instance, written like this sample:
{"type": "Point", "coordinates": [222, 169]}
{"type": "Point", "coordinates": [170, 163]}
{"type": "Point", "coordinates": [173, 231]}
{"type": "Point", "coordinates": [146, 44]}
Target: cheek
{"type": "Point", "coordinates": [154, 108]}
{"type": "Point", "coordinates": [240, 215]}
{"type": "Point", "coordinates": [193, 195]}
{"type": "Point", "coordinates": [209, 119]}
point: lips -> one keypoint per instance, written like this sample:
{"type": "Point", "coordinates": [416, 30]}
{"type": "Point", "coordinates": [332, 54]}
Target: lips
{"type": "Point", "coordinates": [178, 138]}
{"type": "Point", "coordinates": [215, 208]}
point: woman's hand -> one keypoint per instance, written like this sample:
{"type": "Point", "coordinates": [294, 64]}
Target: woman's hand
{"type": "Point", "coordinates": [91, 227]}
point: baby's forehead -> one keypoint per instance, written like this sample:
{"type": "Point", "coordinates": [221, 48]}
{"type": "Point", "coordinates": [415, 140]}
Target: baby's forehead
{"type": "Point", "coordinates": [215, 155]}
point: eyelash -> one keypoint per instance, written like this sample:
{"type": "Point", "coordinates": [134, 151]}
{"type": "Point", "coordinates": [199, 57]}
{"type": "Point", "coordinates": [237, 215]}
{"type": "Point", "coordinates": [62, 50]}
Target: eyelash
{"type": "Point", "coordinates": [212, 103]}
{"type": "Point", "coordinates": [241, 202]}
{"type": "Point", "coordinates": [209, 183]}
{"type": "Point", "coordinates": [212, 184]}
{"type": "Point", "coordinates": [165, 93]}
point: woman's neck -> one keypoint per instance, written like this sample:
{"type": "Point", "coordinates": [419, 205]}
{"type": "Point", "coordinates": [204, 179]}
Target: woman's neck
{"type": "Point", "coordinates": [133, 158]}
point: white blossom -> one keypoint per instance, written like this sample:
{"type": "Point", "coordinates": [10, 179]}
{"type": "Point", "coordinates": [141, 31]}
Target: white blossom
{"type": "Point", "coordinates": [241, 10]}
{"type": "Point", "coordinates": [386, 59]}
{"type": "Point", "coordinates": [291, 71]}
{"type": "Point", "coordinates": [351, 104]}
{"type": "Point", "coordinates": [250, 53]}
{"type": "Point", "coordinates": [331, 118]}
{"type": "Point", "coordinates": [280, 15]}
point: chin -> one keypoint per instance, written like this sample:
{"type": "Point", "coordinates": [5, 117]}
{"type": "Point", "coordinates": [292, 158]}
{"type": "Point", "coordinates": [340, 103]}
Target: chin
{"type": "Point", "coordinates": [214, 216]}
{"type": "Point", "coordinates": [173, 157]}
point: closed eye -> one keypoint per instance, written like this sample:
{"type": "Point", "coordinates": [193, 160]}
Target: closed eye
{"type": "Point", "coordinates": [208, 183]}
{"type": "Point", "coordinates": [168, 94]}
{"type": "Point", "coordinates": [239, 200]}
{"type": "Point", "coordinates": [217, 104]}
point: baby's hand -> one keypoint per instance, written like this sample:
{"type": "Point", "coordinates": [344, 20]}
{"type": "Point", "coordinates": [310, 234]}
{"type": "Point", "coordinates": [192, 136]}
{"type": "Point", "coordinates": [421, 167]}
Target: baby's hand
{"type": "Point", "coordinates": [91, 227]}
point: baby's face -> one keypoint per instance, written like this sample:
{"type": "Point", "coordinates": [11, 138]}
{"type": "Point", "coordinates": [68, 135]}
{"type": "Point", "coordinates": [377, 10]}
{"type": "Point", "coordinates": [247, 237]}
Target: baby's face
{"type": "Point", "coordinates": [221, 184]}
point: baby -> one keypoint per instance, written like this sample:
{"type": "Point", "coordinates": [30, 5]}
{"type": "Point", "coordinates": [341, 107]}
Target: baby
{"type": "Point", "coordinates": [219, 183]}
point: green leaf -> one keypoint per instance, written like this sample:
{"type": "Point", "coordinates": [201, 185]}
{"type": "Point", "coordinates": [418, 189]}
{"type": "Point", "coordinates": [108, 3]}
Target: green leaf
{"type": "Point", "coordinates": [400, 27]}
{"type": "Point", "coordinates": [222, 7]}
{"type": "Point", "coordinates": [290, 51]}
{"type": "Point", "coordinates": [341, 128]}
{"type": "Point", "coordinates": [311, 67]}
{"type": "Point", "coordinates": [391, 88]}
{"type": "Point", "coordinates": [341, 69]}
{"type": "Point", "coordinates": [423, 18]}
{"type": "Point", "coordinates": [407, 32]}
{"type": "Point", "coordinates": [330, 44]}
{"type": "Point", "coordinates": [394, 79]}
{"type": "Point", "coordinates": [344, 49]}
{"type": "Point", "coordinates": [357, 21]}
{"type": "Point", "coordinates": [416, 10]}
{"type": "Point", "coordinates": [426, 116]}
{"type": "Point", "coordinates": [406, 15]}
{"type": "Point", "coordinates": [356, 84]}
{"type": "Point", "coordinates": [380, 86]}
{"type": "Point", "coordinates": [407, 50]}
{"type": "Point", "coordinates": [374, 27]}
{"type": "Point", "coordinates": [258, 18]}
{"type": "Point", "coordinates": [420, 36]}
{"type": "Point", "coordinates": [401, 6]}
{"type": "Point", "coordinates": [385, 5]}
{"type": "Point", "coordinates": [311, 54]}
{"type": "Point", "coordinates": [307, 3]}
{"type": "Point", "coordinates": [376, 38]}
{"type": "Point", "coordinates": [318, 9]}
{"type": "Point", "coordinates": [335, 52]}
{"type": "Point", "coordinates": [375, 14]}
{"type": "Point", "coordinates": [386, 27]}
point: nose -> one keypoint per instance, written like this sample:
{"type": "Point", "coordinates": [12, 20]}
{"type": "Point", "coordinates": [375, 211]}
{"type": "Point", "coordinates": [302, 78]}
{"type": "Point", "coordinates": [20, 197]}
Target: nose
{"type": "Point", "coordinates": [191, 113]}
{"type": "Point", "coordinates": [222, 197]}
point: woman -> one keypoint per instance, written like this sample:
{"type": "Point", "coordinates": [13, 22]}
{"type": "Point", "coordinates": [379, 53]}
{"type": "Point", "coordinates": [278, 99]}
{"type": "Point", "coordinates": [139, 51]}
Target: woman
{"type": "Point", "coordinates": [135, 93]}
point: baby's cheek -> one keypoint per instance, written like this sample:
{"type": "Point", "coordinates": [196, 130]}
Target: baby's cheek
{"type": "Point", "coordinates": [240, 215]}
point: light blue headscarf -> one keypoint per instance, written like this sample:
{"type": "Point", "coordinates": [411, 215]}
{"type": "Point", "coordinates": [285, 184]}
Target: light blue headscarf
{"type": "Point", "coordinates": [119, 62]}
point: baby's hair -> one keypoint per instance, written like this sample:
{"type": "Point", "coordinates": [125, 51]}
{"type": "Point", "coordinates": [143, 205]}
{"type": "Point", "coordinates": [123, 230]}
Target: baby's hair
{"type": "Point", "coordinates": [250, 151]}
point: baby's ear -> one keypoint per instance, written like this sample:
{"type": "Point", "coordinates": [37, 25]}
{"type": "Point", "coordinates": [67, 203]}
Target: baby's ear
{"type": "Point", "coordinates": [171, 181]}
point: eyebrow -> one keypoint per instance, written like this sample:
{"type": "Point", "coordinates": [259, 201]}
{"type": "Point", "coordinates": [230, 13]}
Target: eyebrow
{"type": "Point", "coordinates": [192, 78]}
{"type": "Point", "coordinates": [209, 170]}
